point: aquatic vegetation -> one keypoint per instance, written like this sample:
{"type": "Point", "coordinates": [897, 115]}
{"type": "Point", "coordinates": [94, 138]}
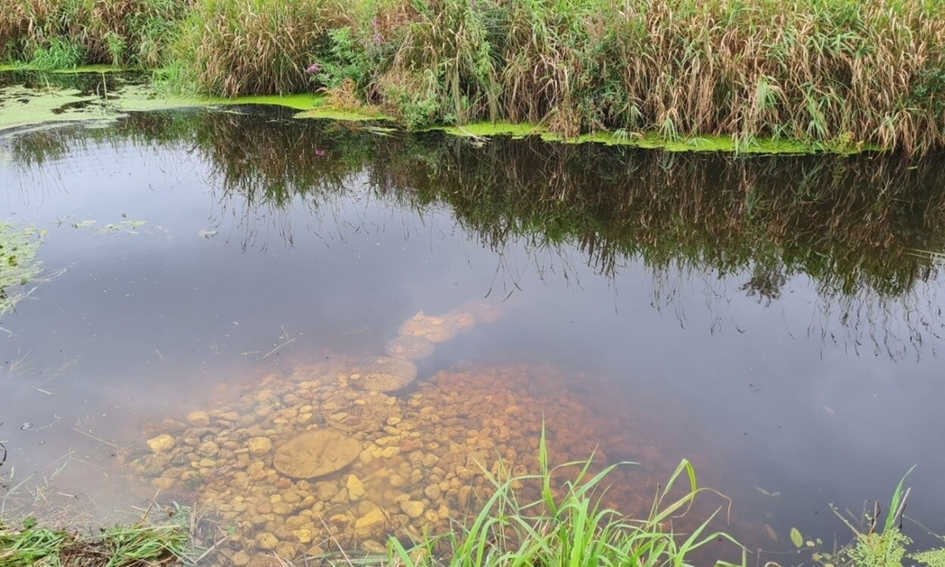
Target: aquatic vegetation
{"type": "Point", "coordinates": [18, 264]}
{"type": "Point", "coordinates": [571, 525]}
{"type": "Point", "coordinates": [877, 541]}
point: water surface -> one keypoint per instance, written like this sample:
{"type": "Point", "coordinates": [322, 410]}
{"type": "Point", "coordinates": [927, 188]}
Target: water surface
{"type": "Point", "coordinates": [767, 318]}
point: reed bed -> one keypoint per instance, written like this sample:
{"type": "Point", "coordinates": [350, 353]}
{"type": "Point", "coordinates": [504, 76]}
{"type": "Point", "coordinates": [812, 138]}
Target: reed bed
{"type": "Point", "coordinates": [839, 73]}
{"type": "Point", "coordinates": [62, 34]}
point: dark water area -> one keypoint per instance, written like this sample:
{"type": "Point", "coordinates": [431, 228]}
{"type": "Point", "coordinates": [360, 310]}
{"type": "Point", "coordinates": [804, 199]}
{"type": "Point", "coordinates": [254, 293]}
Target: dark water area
{"type": "Point", "coordinates": [771, 319]}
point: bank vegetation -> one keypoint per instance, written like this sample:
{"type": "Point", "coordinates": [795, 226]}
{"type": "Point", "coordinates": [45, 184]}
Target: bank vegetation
{"type": "Point", "coordinates": [841, 74]}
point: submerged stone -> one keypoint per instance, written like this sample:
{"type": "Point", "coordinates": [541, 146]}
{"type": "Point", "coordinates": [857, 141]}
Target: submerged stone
{"type": "Point", "coordinates": [316, 454]}
{"type": "Point", "coordinates": [432, 328]}
{"type": "Point", "coordinates": [161, 443]}
{"type": "Point", "coordinates": [409, 347]}
{"type": "Point", "coordinates": [259, 445]}
{"type": "Point", "coordinates": [387, 374]}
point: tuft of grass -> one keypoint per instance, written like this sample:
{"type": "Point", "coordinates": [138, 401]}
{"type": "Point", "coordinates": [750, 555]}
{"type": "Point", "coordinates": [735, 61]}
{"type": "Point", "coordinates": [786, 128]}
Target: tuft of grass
{"type": "Point", "coordinates": [120, 546]}
{"type": "Point", "coordinates": [568, 525]}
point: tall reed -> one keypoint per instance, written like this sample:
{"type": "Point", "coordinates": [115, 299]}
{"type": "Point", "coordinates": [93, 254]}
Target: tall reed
{"type": "Point", "coordinates": [67, 33]}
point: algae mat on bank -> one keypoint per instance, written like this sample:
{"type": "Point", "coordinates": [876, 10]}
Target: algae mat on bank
{"type": "Point", "coordinates": [33, 98]}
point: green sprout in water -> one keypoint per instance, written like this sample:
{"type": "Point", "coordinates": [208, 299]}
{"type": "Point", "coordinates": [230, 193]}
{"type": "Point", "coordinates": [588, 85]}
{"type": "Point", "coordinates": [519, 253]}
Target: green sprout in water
{"type": "Point", "coordinates": [18, 264]}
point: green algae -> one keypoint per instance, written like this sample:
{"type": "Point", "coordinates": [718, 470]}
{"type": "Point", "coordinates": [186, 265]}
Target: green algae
{"type": "Point", "coordinates": [305, 101]}
{"type": "Point", "coordinates": [22, 105]}
{"type": "Point", "coordinates": [652, 140]}
{"type": "Point", "coordinates": [321, 109]}
{"type": "Point", "coordinates": [487, 129]}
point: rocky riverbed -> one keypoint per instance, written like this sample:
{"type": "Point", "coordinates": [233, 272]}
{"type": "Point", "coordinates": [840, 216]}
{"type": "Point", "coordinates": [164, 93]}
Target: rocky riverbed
{"type": "Point", "coordinates": [348, 451]}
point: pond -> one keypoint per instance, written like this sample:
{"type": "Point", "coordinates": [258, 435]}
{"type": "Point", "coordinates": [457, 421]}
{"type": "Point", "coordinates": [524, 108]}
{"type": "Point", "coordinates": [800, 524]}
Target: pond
{"type": "Point", "coordinates": [218, 282]}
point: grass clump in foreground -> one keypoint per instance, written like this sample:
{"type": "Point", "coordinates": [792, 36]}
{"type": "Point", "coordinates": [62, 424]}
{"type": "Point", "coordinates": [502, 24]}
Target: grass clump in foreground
{"type": "Point", "coordinates": [121, 546]}
{"type": "Point", "coordinates": [570, 525]}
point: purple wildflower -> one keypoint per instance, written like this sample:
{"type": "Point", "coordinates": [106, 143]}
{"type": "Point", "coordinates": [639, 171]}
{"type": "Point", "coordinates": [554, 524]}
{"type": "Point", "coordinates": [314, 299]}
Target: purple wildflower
{"type": "Point", "coordinates": [313, 68]}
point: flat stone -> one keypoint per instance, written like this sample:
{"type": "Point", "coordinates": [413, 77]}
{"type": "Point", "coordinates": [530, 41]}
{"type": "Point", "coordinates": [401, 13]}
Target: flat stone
{"type": "Point", "coordinates": [409, 347]}
{"type": "Point", "coordinates": [316, 453]}
{"type": "Point", "coordinates": [387, 374]}
{"type": "Point", "coordinates": [428, 327]}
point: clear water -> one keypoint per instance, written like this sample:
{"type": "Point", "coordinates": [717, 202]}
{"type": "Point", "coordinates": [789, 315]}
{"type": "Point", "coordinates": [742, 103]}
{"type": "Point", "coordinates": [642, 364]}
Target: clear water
{"type": "Point", "coordinates": [765, 318]}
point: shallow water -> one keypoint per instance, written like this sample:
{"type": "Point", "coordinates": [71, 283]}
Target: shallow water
{"type": "Point", "coordinates": [763, 318]}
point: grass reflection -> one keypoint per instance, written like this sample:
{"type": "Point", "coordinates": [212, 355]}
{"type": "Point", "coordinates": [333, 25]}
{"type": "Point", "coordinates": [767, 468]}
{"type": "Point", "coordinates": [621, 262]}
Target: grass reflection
{"type": "Point", "coordinates": [850, 224]}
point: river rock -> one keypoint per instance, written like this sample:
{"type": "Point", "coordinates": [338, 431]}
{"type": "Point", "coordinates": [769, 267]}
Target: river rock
{"type": "Point", "coordinates": [161, 443]}
{"type": "Point", "coordinates": [315, 454]}
{"type": "Point", "coordinates": [413, 508]}
{"type": "Point", "coordinates": [432, 491]}
{"type": "Point", "coordinates": [355, 488]}
{"type": "Point", "coordinates": [163, 483]}
{"type": "Point", "coordinates": [198, 418]}
{"type": "Point", "coordinates": [208, 449]}
{"type": "Point", "coordinates": [409, 347]}
{"type": "Point", "coordinates": [370, 522]}
{"type": "Point", "coordinates": [387, 374]}
{"type": "Point", "coordinates": [267, 541]}
{"type": "Point", "coordinates": [259, 445]}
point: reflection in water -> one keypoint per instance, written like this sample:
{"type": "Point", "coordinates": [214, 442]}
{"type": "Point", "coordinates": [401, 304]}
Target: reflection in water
{"type": "Point", "coordinates": [835, 235]}
{"type": "Point", "coordinates": [855, 226]}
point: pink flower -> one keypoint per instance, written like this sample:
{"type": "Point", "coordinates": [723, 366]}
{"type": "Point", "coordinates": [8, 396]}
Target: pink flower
{"type": "Point", "coordinates": [313, 68]}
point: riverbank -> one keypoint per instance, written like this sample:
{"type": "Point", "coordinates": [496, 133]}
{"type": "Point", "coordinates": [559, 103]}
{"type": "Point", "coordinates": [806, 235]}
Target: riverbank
{"type": "Point", "coordinates": [826, 74]}
{"type": "Point", "coordinates": [567, 525]}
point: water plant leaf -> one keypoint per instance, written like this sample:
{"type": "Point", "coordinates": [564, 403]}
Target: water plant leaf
{"type": "Point", "coordinates": [796, 538]}
{"type": "Point", "coordinates": [771, 533]}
